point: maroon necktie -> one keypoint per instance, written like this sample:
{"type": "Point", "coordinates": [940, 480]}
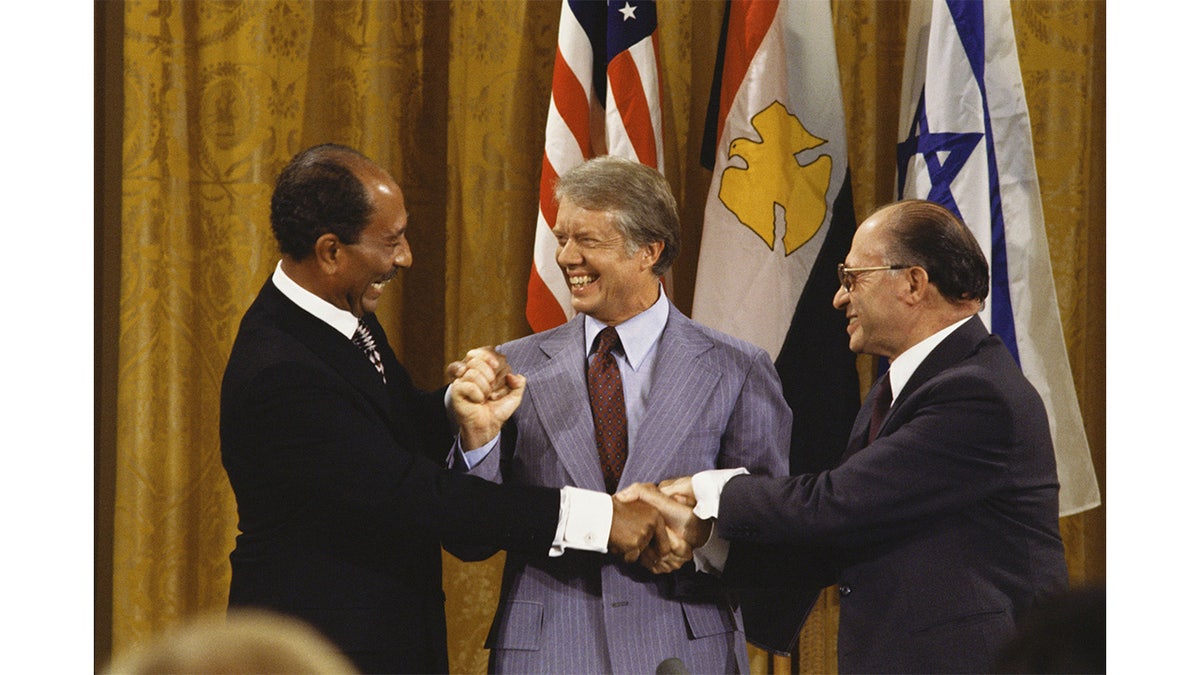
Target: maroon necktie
{"type": "Point", "coordinates": [883, 401]}
{"type": "Point", "coordinates": [608, 407]}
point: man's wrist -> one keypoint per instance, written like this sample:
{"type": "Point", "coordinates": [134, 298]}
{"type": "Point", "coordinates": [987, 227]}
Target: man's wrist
{"type": "Point", "coordinates": [473, 438]}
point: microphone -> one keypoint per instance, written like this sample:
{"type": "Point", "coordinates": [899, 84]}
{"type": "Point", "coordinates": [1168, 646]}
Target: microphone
{"type": "Point", "coordinates": [671, 666]}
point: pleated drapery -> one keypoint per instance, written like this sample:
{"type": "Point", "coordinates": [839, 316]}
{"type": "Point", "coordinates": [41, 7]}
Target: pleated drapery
{"type": "Point", "coordinates": [451, 97]}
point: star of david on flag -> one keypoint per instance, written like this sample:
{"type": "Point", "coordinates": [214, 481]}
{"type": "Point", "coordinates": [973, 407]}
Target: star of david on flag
{"type": "Point", "coordinates": [965, 142]}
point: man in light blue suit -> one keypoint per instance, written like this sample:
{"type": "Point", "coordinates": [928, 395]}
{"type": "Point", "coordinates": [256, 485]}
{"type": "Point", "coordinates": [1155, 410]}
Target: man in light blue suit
{"type": "Point", "coordinates": [693, 399]}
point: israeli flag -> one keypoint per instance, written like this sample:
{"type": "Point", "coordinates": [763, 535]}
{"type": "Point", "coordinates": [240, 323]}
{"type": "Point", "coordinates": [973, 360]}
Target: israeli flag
{"type": "Point", "coordinates": [965, 142]}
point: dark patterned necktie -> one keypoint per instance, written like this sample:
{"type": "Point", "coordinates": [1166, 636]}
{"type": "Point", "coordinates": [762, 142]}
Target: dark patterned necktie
{"type": "Point", "coordinates": [608, 407]}
{"type": "Point", "coordinates": [364, 340]}
{"type": "Point", "coordinates": [883, 402]}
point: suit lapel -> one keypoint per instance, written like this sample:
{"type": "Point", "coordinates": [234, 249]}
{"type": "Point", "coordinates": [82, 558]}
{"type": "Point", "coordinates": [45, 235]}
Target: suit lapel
{"type": "Point", "coordinates": [559, 394]}
{"type": "Point", "coordinates": [331, 347]}
{"type": "Point", "coordinates": [682, 382]}
{"type": "Point", "coordinates": [956, 347]}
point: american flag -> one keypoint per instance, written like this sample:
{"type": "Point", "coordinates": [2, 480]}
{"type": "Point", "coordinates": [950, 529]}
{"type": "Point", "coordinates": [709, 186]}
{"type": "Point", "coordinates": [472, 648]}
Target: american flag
{"type": "Point", "coordinates": [604, 100]}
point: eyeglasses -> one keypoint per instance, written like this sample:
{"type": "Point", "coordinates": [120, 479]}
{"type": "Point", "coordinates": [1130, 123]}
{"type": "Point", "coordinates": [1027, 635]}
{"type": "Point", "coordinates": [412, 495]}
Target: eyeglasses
{"type": "Point", "coordinates": [847, 275]}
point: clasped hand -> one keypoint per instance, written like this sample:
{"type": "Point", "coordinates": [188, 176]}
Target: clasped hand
{"type": "Point", "coordinates": [651, 524]}
{"type": "Point", "coordinates": [655, 525]}
{"type": "Point", "coordinates": [484, 394]}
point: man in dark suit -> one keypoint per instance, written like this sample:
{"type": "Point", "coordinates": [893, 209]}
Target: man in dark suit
{"type": "Point", "coordinates": [335, 457]}
{"type": "Point", "coordinates": [940, 524]}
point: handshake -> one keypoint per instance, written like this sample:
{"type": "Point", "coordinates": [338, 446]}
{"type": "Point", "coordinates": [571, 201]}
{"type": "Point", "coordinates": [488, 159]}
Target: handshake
{"type": "Point", "coordinates": [651, 524]}
{"type": "Point", "coordinates": [655, 525]}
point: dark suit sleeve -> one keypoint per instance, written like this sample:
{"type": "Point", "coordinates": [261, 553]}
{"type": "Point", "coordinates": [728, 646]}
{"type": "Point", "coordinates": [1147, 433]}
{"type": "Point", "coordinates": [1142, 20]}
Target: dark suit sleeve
{"type": "Point", "coordinates": [426, 425]}
{"type": "Point", "coordinates": [487, 469]}
{"type": "Point", "coordinates": [952, 451]}
{"type": "Point", "coordinates": [321, 438]}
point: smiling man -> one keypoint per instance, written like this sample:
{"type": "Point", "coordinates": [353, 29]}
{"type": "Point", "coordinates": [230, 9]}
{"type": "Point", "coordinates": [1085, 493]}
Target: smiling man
{"type": "Point", "coordinates": [629, 390]}
{"type": "Point", "coordinates": [940, 524]}
{"type": "Point", "coordinates": [337, 460]}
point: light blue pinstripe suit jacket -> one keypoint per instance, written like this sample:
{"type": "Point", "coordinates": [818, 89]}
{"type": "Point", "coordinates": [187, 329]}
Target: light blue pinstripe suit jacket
{"type": "Point", "coordinates": [715, 402]}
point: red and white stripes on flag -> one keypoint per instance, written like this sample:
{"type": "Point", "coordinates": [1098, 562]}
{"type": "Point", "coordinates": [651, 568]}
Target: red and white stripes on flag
{"type": "Point", "coordinates": [966, 143]}
{"type": "Point", "coordinates": [604, 101]}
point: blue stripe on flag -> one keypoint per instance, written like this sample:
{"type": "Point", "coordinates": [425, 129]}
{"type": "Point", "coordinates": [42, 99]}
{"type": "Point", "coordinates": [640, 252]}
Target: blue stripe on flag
{"type": "Point", "coordinates": [591, 18]}
{"type": "Point", "coordinates": [945, 155]}
{"type": "Point", "coordinates": [968, 19]}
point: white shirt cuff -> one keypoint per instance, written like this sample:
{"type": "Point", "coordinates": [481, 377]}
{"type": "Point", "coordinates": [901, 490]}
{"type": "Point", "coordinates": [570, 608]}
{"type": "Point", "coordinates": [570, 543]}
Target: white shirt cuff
{"type": "Point", "coordinates": [707, 487]}
{"type": "Point", "coordinates": [584, 521]}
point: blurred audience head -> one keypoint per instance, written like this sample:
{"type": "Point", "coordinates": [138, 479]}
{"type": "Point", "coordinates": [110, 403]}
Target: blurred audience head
{"type": "Point", "coordinates": [244, 641]}
{"type": "Point", "coordinates": [1063, 634]}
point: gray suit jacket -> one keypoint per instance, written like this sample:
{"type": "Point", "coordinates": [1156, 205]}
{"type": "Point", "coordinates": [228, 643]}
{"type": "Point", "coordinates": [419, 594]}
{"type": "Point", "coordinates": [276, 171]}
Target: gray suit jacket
{"type": "Point", "coordinates": [716, 402]}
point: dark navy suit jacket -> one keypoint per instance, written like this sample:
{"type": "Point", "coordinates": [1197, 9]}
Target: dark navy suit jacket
{"type": "Point", "coordinates": [939, 534]}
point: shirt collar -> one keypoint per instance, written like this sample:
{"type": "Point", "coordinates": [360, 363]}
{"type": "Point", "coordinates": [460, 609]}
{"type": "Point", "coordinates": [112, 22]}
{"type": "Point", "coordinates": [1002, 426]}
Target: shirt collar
{"type": "Point", "coordinates": [342, 321]}
{"type": "Point", "coordinates": [906, 364]}
{"type": "Point", "coordinates": [638, 334]}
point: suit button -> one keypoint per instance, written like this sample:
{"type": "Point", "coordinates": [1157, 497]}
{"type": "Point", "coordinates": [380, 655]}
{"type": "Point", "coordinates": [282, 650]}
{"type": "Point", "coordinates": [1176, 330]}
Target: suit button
{"type": "Point", "coordinates": [844, 590]}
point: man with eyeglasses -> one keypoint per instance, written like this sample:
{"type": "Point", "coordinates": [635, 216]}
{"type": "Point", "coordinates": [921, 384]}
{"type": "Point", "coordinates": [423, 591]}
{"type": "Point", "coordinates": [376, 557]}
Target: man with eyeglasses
{"type": "Point", "coordinates": [940, 524]}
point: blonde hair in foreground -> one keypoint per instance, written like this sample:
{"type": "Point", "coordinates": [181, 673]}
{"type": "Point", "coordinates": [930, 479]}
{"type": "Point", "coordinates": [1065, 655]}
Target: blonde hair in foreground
{"type": "Point", "coordinates": [245, 641]}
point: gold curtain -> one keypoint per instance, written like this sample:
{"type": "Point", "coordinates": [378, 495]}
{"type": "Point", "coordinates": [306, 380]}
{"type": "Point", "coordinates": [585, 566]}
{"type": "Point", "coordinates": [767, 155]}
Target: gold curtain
{"type": "Point", "coordinates": [452, 98]}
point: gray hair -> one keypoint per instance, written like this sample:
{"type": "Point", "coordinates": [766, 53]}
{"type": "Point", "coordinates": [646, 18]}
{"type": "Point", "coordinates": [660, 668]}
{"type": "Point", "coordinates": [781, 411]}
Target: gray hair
{"type": "Point", "coordinates": [637, 196]}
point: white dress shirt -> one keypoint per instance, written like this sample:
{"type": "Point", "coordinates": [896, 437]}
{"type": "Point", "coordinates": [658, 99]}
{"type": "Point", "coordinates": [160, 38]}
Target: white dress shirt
{"type": "Point", "coordinates": [342, 320]}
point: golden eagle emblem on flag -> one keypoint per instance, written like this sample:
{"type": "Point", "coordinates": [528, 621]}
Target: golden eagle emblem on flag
{"type": "Point", "coordinates": [773, 176]}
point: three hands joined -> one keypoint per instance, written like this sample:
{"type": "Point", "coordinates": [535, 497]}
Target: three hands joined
{"type": "Point", "coordinates": [651, 524]}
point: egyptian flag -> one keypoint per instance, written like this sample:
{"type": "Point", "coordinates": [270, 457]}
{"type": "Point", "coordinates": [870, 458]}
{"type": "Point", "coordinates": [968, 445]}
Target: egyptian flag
{"type": "Point", "coordinates": [779, 216]}
{"type": "Point", "coordinates": [778, 220]}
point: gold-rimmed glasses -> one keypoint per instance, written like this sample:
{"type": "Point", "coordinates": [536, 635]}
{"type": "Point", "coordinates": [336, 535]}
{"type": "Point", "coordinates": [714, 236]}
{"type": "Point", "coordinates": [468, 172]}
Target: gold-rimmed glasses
{"type": "Point", "coordinates": [848, 275]}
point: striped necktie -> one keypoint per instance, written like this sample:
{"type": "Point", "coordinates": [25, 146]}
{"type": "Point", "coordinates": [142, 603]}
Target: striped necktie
{"type": "Point", "coordinates": [364, 340]}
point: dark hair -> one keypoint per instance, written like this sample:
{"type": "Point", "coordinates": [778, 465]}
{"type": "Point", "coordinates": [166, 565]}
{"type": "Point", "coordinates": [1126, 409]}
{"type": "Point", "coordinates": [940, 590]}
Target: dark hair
{"type": "Point", "coordinates": [929, 235]}
{"type": "Point", "coordinates": [638, 197]}
{"type": "Point", "coordinates": [317, 193]}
